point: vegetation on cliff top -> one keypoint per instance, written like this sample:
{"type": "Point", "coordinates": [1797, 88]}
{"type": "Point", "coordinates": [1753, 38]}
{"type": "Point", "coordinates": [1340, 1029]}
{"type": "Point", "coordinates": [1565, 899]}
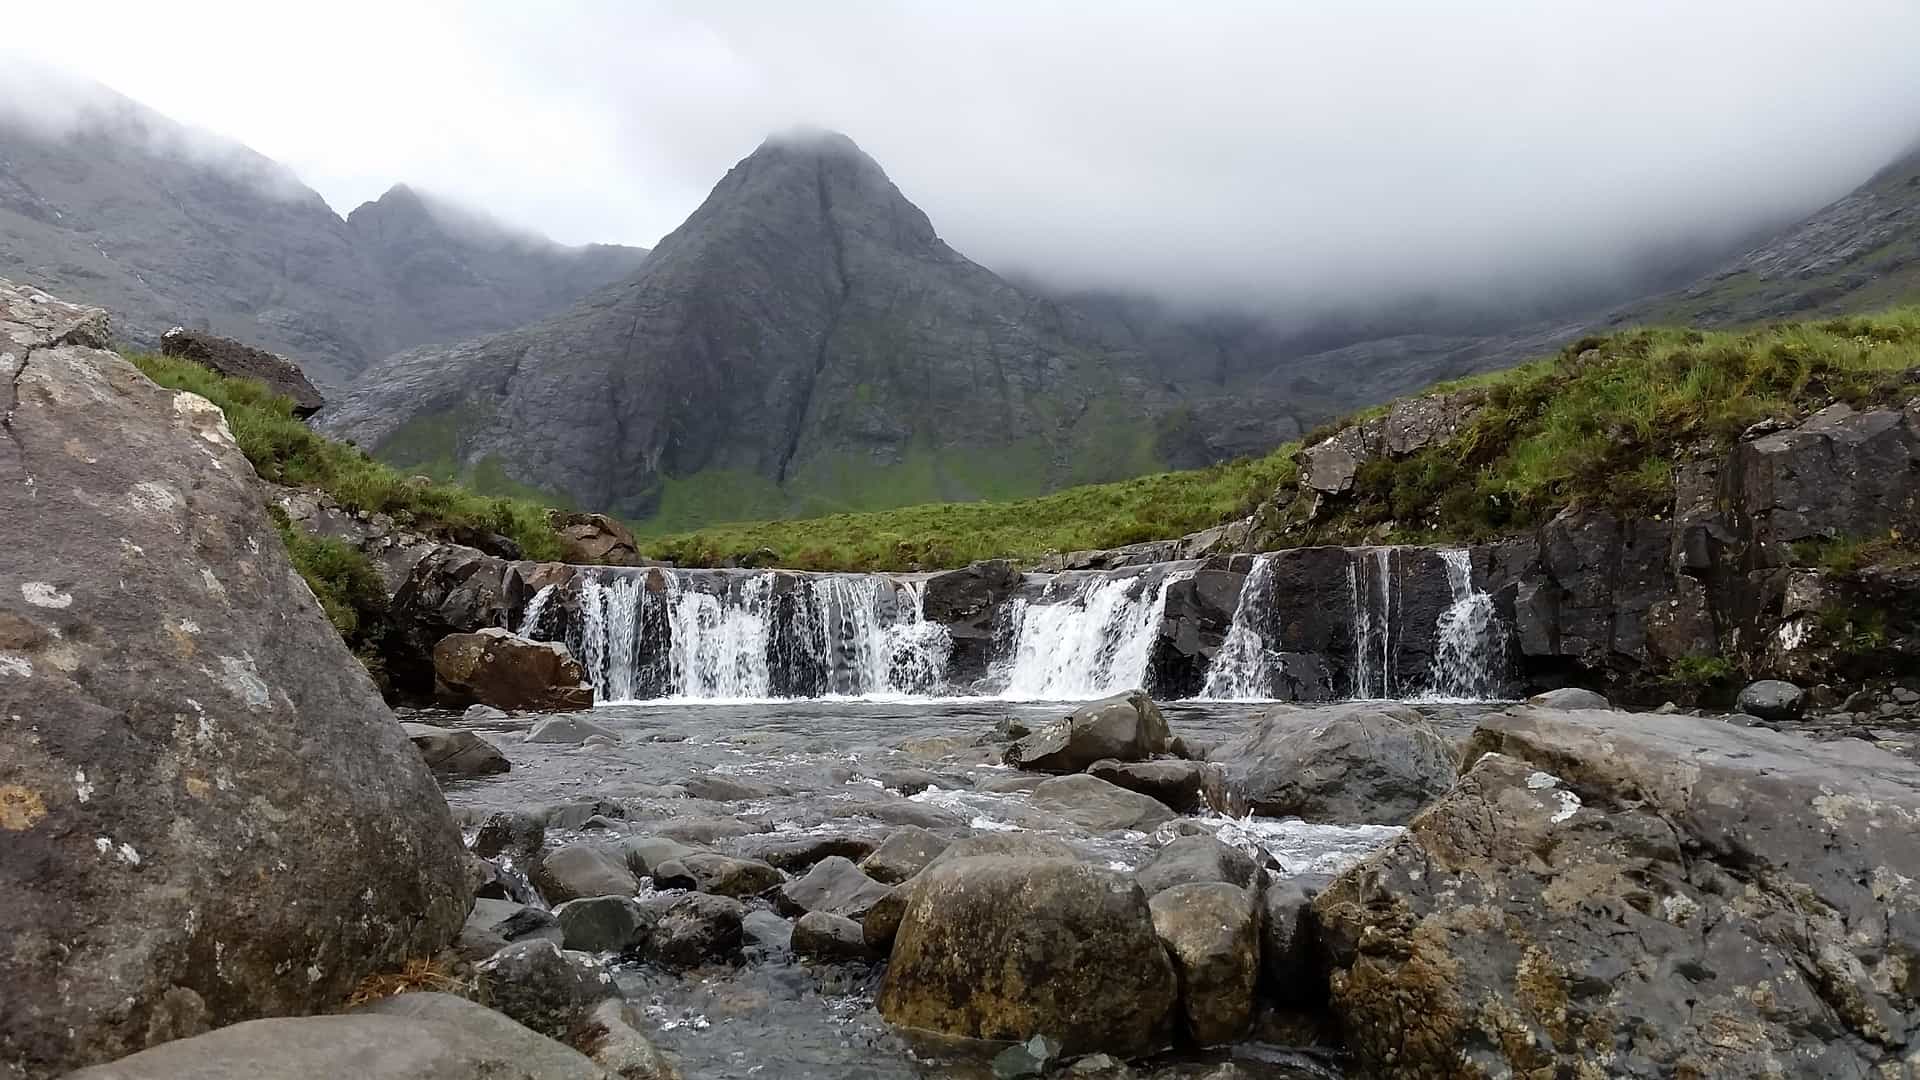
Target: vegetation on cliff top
{"type": "Point", "coordinates": [1601, 424]}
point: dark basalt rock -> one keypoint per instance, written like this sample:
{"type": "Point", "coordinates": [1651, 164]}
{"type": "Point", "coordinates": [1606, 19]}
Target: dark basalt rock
{"type": "Point", "coordinates": [547, 988]}
{"type": "Point", "coordinates": [1125, 727]}
{"type": "Point", "coordinates": [228, 357]}
{"type": "Point", "coordinates": [177, 715]}
{"type": "Point", "coordinates": [696, 929]}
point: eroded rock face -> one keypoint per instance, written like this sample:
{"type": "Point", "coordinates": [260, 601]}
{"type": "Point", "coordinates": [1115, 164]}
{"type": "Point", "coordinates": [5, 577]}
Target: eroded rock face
{"type": "Point", "coordinates": [229, 357]}
{"type": "Point", "coordinates": [1361, 762]}
{"type": "Point", "coordinates": [595, 539]}
{"type": "Point", "coordinates": [1668, 895]}
{"type": "Point", "coordinates": [1125, 727]}
{"type": "Point", "coordinates": [176, 715]}
{"type": "Point", "coordinates": [1007, 947]}
{"type": "Point", "coordinates": [495, 667]}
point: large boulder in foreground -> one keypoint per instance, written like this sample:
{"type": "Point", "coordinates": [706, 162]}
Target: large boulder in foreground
{"type": "Point", "coordinates": [228, 357]}
{"type": "Point", "coordinates": [1363, 762]}
{"type": "Point", "coordinates": [498, 668]}
{"type": "Point", "coordinates": [1667, 895]}
{"type": "Point", "coordinates": [1125, 727]}
{"type": "Point", "coordinates": [207, 814]}
{"type": "Point", "coordinates": [1008, 947]}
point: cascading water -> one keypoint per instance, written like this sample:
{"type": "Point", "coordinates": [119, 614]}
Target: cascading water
{"type": "Point", "coordinates": [1243, 668]}
{"type": "Point", "coordinates": [1370, 586]}
{"type": "Point", "coordinates": [1088, 639]}
{"type": "Point", "coordinates": [536, 608]}
{"type": "Point", "coordinates": [1467, 654]}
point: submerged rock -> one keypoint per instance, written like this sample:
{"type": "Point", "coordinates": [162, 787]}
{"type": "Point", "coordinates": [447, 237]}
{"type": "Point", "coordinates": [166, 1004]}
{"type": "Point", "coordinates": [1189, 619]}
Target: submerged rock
{"type": "Point", "coordinates": [568, 731]}
{"type": "Point", "coordinates": [1362, 762]}
{"type": "Point", "coordinates": [494, 667]}
{"type": "Point", "coordinates": [456, 754]}
{"type": "Point", "coordinates": [1008, 947]}
{"type": "Point", "coordinates": [611, 1036]}
{"type": "Point", "coordinates": [202, 789]}
{"type": "Point", "coordinates": [1671, 895]}
{"type": "Point", "coordinates": [1125, 727]}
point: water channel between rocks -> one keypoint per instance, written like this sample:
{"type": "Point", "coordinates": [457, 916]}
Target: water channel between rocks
{"type": "Point", "coordinates": [821, 766]}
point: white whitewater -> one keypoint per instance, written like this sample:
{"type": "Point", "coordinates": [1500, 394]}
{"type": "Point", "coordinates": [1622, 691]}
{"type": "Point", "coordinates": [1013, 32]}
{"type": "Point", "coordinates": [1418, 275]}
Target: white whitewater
{"type": "Point", "coordinates": [1467, 639]}
{"type": "Point", "coordinates": [1092, 639]}
{"type": "Point", "coordinates": [1244, 668]}
{"type": "Point", "coordinates": [536, 607]}
{"type": "Point", "coordinates": [718, 647]}
{"type": "Point", "coordinates": [1370, 588]}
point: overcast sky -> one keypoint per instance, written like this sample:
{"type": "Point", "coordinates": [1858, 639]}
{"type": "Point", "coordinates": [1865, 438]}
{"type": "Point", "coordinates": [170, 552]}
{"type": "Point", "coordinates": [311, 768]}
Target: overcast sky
{"type": "Point", "coordinates": [1292, 151]}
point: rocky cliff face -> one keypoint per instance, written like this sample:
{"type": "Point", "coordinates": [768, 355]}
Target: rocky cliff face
{"type": "Point", "coordinates": [168, 226]}
{"type": "Point", "coordinates": [804, 342]}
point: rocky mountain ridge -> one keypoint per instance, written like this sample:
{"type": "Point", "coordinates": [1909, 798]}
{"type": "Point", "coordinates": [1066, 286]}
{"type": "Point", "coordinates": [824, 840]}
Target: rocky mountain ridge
{"type": "Point", "coordinates": [168, 226]}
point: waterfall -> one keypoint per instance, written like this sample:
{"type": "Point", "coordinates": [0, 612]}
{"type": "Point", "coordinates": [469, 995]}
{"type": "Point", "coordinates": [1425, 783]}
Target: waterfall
{"type": "Point", "coordinates": [1467, 639]}
{"type": "Point", "coordinates": [719, 646]}
{"type": "Point", "coordinates": [1370, 591]}
{"type": "Point", "coordinates": [1089, 639]}
{"type": "Point", "coordinates": [1244, 668]}
{"type": "Point", "coordinates": [536, 607]}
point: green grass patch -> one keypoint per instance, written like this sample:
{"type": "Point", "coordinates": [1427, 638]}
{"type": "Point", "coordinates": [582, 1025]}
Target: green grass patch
{"type": "Point", "coordinates": [284, 450]}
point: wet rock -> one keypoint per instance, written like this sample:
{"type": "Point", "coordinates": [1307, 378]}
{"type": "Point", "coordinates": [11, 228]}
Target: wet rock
{"type": "Point", "coordinates": [603, 924]}
{"type": "Point", "coordinates": [1570, 697]}
{"type": "Point", "coordinates": [1178, 784]}
{"type": "Point", "coordinates": [226, 356]}
{"type": "Point", "coordinates": [795, 854]}
{"type": "Point", "coordinates": [177, 717]}
{"type": "Point", "coordinates": [408, 1037]}
{"type": "Point", "coordinates": [510, 832]}
{"type": "Point", "coordinates": [696, 929]}
{"type": "Point", "coordinates": [1359, 762]}
{"type": "Point", "coordinates": [575, 814]}
{"type": "Point", "coordinates": [644, 853]}
{"type": "Point", "coordinates": [834, 885]}
{"type": "Point", "coordinates": [907, 851]}
{"type": "Point", "coordinates": [1028, 1059]}
{"type": "Point", "coordinates": [706, 830]}
{"type": "Point", "coordinates": [716, 787]}
{"type": "Point", "coordinates": [583, 868]}
{"type": "Point", "coordinates": [494, 667]}
{"type": "Point", "coordinates": [1674, 896]}
{"type": "Point", "coordinates": [913, 781]}
{"type": "Point", "coordinates": [548, 989]}
{"type": "Point", "coordinates": [1007, 843]}
{"type": "Point", "coordinates": [1289, 946]}
{"type": "Point", "coordinates": [1771, 699]}
{"type": "Point", "coordinates": [1092, 803]}
{"type": "Point", "coordinates": [766, 931]}
{"type": "Point", "coordinates": [1211, 929]}
{"type": "Point", "coordinates": [568, 731]}
{"type": "Point", "coordinates": [1008, 947]}
{"type": "Point", "coordinates": [1190, 859]}
{"type": "Point", "coordinates": [456, 754]}
{"type": "Point", "coordinates": [1126, 727]}
{"type": "Point", "coordinates": [882, 921]}
{"type": "Point", "coordinates": [482, 714]}
{"type": "Point", "coordinates": [721, 875]}
{"type": "Point", "coordinates": [493, 925]}
{"type": "Point", "coordinates": [594, 539]}
{"type": "Point", "coordinates": [1020, 782]}
{"type": "Point", "coordinates": [611, 1037]}
{"type": "Point", "coordinates": [820, 935]}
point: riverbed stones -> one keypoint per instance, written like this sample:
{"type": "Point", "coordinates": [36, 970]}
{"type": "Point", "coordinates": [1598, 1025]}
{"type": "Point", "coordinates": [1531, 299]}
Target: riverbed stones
{"type": "Point", "coordinates": [1211, 930]}
{"type": "Point", "coordinates": [644, 853]}
{"type": "Point", "coordinates": [492, 925]}
{"type": "Point", "coordinates": [611, 1037]}
{"type": "Point", "coordinates": [906, 851]}
{"type": "Point", "coordinates": [1364, 762]}
{"type": "Point", "coordinates": [568, 731]}
{"type": "Point", "coordinates": [834, 885]}
{"type": "Point", "coordinates": [549, 989]}
{"type": "Point", "coordinates": [603, 924]}
{"type": "Point", "coordinates": [1289, 946]}
{"type": "Point", "coordinates": [721, 875]}
{"type": "Point", "coordinates": [583, 868]}
{"type": "Point", "coordinates": [1125, 727]}
{"type": "Point", "coordinates": [202, 789]}
{"type": "Point", "coordinates": [1772, 699]}
{"type": "Point", "coordinates": [456, 754]}
{"type": "Point", "coordinates": [795, 853]}
{"type": "Point", "coordinates": [1670, 895]}
{"type": "Point", "coordinates": [1188, 859]}
{"type": "Point", "coordinates": [1570, 697]}
{"type": "Point", "coordinates": [495, 667]}
{"type": "Point", "coordinates": [419, 1036]}
{"type": "Point", "coordinates": [1094, 804]}
{"type": "Point", "coordinates": [1178, 784]}
{"type": "Point", "coordinates": [821, 935]}
{"type": "Point", "coordinates": [695, 929]}
{"type": "Point", "coordinates": [1008, 947]}
{"type": "Point", "coordinates": [516, 833]}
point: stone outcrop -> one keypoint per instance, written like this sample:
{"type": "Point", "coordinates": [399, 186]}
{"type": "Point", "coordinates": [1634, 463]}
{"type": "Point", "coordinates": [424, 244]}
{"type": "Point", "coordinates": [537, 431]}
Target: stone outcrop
{"type": "Point", "coordinates": [1330, 466]}
{"type": "Point", "coordinates": [595, 539]}
{"type": "Point", "coordinates": [178, 716]}
{"type": "Point", "coordinates": [1662, 894]}
{"type": "Point", "coordinates": [225, 356]}
{"type": "Point", "coordinates": [1008, 947]}
{"type": "Point", "coordinates": [495, 667]}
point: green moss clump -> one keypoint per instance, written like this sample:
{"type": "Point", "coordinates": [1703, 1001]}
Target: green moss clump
{"type": "Point", "coordinates": [349, 589]}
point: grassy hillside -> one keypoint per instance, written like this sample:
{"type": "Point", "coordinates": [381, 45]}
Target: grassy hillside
{"type": "Point", "coordinates": [1600, 424]}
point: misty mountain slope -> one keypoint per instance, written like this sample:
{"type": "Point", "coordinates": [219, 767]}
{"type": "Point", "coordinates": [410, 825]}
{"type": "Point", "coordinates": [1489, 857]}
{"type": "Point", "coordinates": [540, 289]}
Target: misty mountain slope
{"type": "Point", "coordinates": [1857, 254]}
{"type": "Point", "coordinates": [164, 225]}
{"type": "Point", "coordinates": [805, 342]}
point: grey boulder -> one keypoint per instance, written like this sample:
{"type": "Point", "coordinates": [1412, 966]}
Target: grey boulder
{"type": "Point", "coordinates": [1094, 804]}
{"type": "Point", "coordinates": [1211, 930]}
{"type": "Point", "coordinates": [456, 754]}
{"type": "Point", "coordinates": [567, 730]}
{"type": "Point", "coordinates": [543, 986]}
{"type": "Point", "coordinates": [1772, 699]}
{"type": "Point", "coordinates": [1363, 762]}
{"type": "Point", "coordinates": [1125, 727]}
